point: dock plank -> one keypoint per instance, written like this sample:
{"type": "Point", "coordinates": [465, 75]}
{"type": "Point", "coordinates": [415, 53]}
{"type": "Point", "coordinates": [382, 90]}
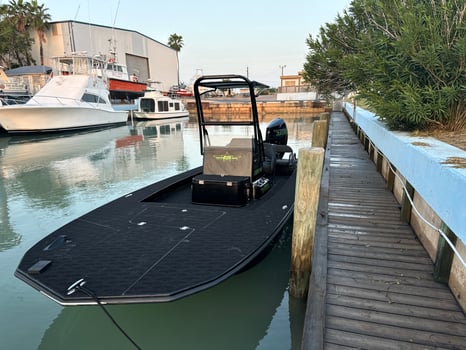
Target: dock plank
{"type": "Point", "coordinates": [425, 312]}
{"type": "Point", "coordinates": [379, 290]}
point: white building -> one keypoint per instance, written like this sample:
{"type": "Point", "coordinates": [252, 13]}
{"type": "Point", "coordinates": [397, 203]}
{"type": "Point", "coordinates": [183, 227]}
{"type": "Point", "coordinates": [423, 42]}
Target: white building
{"type": "Point", "coordinates": [145, 57]}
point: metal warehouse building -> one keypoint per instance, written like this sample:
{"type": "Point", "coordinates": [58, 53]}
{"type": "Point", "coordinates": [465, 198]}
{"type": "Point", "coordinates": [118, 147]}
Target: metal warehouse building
{"type": "Point", "coordinates": [145, 57]}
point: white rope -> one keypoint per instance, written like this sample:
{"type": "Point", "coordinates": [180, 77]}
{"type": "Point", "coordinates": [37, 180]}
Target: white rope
{"type": "Point", "coordinates": [457, 253]}
{"type": "Point", "coordinates": [452, 246]}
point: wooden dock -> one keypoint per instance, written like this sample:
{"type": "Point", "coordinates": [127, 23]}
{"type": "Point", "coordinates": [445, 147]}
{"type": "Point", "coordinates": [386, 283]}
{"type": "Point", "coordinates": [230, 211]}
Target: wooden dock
{"type": "Point", "coordinates": [371, 285]}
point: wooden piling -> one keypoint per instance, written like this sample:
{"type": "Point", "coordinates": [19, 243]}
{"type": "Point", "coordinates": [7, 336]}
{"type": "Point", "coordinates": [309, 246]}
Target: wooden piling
{"type": "Point", "coordinates": [406, 206]}
{"type": "Point", "coordinates": [325, 116]}
{"type": "Point", "coordinates": [319, 133]}
{"type": "Point", "coordinates": [379, 161]}
{"type": "Point", "coordinates": [444, 256]}
{"type": "Point", "coordinates": [304, 222]}
{"type": "Point", "coordinates": [391, 177]}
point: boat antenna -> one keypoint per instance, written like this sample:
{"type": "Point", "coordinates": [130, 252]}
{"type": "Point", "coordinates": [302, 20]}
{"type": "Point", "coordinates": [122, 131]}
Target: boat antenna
{"type": "Point", "coordinates": [77, 11]}
{"type": "Point", "coordinates": [113, 39]}
{"type": "Point", "coordinates": [89, 26]}
{"type": "Point", "coordinates": [116, 13]}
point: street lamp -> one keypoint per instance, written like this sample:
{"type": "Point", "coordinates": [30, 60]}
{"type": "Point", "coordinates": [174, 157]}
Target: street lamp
{"type": "Point", "coordinates": [281, 80]}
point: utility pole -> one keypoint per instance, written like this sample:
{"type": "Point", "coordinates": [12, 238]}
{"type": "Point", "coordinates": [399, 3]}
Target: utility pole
{"type": "Point", "coordinates": [281, 80]}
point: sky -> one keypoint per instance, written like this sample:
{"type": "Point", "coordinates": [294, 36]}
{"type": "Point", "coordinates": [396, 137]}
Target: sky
{"type": "Point", "coordinates": [254, 38]}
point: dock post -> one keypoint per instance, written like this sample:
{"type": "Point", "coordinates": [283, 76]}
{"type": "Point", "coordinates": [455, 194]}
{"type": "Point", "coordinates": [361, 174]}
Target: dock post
{"type": "Point", "coordinates": [444, 256]}
{"type": "Point", "coordinates": [406, 206]}
{"type": "Point", "coordinates": [304, 222]}
{"type": "Point", "coordinates": [325, 116]}
{"type": "Point", "coordinates": [319, 133]}
{"type": "Point", "coordinates": [391, 176]}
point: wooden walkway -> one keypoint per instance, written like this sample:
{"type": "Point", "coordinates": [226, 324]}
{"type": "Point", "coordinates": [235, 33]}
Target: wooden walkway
{"type": "Point", "coordinates": [371, 286]}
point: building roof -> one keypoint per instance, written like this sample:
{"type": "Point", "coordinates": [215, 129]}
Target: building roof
{"type": "Point", "coordinates": [28, 70]}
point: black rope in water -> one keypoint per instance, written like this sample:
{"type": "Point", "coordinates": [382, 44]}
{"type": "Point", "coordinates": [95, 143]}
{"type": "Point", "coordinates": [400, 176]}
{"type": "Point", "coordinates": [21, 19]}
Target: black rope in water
{"type": "Point", "coordinates": [79, 285]}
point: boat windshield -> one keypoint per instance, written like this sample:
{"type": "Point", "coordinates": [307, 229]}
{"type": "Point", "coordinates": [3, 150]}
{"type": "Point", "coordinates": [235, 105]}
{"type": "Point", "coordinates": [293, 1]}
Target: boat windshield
{"type": "Point", "coordinates": [222, 135]}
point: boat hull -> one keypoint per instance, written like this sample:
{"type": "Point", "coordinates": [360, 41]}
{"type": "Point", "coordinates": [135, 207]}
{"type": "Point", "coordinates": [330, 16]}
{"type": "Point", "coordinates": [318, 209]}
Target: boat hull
{"type": "Point", "coordinates": [33, 118]}
{"type": "Point", "coordinates": [155, 245]}
{"type": "Point", "coordinates": [161, 115]}
{"type": "Point", "coordinates": [120, 89]}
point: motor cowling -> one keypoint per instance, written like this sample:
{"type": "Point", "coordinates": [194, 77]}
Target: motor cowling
{"type": "Point", "coordinates": [277, 132]}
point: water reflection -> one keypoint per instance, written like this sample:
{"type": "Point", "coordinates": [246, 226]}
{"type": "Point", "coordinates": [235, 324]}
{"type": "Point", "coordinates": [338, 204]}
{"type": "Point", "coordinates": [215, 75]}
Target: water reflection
{"type": "Point", "coordinates": [236, 314]}
{"type": "Point", "coordinates": [46, 182]}
{"type": "Point", "coordinates": [45, 172]}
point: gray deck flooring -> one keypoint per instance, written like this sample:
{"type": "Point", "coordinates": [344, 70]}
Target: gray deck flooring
{"type": "Point", "coordinates": [372, 284]}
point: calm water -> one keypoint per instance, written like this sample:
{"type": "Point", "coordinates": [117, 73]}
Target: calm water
{"type": "Point", "coordinates": [46, 182]}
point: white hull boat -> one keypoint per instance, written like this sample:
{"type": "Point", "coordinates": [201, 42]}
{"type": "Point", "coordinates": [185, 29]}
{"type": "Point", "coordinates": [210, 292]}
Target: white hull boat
{"type": "Point", "coordinates": [77, 97]}
{"type": "Point", "coordinates": [154, 105]}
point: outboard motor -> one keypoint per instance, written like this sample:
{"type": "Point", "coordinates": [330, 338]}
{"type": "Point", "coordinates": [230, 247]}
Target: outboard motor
{"type": "Point", "coordinates": [275, 147]}
{"type": "Point", "coordinates": [277, 132]}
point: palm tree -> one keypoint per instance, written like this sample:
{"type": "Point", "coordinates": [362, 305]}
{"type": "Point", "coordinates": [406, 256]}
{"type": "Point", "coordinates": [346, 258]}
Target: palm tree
{"type": "Point", "coordinates": [39, 21]}
{"type": "Point", "coordinates": [16, 13]}
{"type": "Point", "coordinates": [175, 41]}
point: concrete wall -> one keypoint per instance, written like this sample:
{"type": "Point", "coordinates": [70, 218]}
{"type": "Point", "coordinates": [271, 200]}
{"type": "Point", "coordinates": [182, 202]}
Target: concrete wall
{"type": "Point", "coordinates": [263, 108]}
{"type": "Point", "coordinates": [439, 185]}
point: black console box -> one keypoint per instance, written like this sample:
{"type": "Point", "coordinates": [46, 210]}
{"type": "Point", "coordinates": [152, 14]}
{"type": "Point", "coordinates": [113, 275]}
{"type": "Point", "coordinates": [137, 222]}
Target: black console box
{"type": "Point", "coordinates": [221, 190]}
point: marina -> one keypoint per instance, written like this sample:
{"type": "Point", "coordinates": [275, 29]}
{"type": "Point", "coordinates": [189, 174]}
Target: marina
{"type": "Point", "coordinates": [355, 286]}
{"type": "Point", "coordinates": [321, 208]}
{"type": "Point", "coordinates": [67, 176]}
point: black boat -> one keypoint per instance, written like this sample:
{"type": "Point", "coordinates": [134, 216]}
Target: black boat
{"type": "Point", "coordinates": [185, 233]}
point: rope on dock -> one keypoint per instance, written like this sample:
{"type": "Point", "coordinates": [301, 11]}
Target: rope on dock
{"type": "Point", "coordinates": [408, 196]}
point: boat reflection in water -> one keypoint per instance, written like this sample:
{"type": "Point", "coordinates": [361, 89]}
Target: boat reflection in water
{"type": "Point", "coordinates": [247, 311]}
{"type": "Point", "coordinates": [44, 172]}
{"type": "Point", "coordinates": [39, 191]}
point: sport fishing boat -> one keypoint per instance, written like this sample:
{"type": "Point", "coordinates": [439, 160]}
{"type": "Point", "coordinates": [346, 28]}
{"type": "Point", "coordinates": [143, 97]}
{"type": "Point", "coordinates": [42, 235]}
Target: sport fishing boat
{"type": "Point", "coordinates": [77, 97]}
{"type": "Point", "coordinates": [183, 234]}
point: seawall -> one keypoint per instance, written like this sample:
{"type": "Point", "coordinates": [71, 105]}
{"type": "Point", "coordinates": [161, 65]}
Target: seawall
{"type": "Point", "coordinates": [263, 107]}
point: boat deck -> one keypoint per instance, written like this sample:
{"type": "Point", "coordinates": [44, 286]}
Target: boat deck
{"type": "Point", "coordinates": [372, 284]}
{"type": "Point", "coordinates": [155, 245]}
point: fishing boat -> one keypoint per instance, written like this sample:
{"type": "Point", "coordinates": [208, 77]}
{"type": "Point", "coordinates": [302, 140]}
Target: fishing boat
{"type": "Point", "coordinates": [183, 234]}
{"type": "Point", "coordinates": [154, 105]}
{"type": "Point", "coordinates": [76, 97]}
{"type": "Point", "coordinates": [121, 85]}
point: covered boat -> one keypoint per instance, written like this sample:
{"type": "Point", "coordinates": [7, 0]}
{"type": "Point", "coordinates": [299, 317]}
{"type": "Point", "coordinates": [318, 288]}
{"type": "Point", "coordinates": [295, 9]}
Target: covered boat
{"type": "Point", "coordinates": [185, 233]}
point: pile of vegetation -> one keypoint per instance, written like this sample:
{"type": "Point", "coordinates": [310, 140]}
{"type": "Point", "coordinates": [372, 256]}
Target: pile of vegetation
{"type": "Point", "coordinates": [404, 58]}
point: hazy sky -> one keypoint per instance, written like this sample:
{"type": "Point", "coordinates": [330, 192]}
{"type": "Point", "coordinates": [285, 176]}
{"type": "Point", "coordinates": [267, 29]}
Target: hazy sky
{"type": "Point", "coordinates": [251, 37]}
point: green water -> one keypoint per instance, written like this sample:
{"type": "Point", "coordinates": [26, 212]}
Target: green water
{"type": "Point", "coordinates": [46, 182]}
